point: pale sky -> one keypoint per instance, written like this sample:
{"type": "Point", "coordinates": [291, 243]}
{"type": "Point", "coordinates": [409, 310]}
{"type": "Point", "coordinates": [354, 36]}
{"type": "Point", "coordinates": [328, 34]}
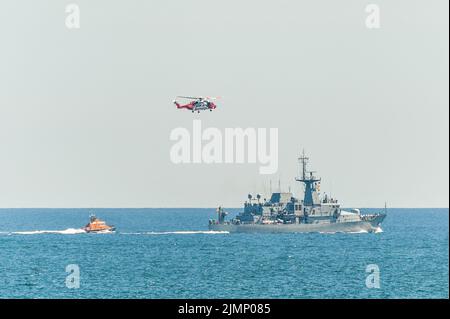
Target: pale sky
{"type": "Point", "coordinates": [86, 114]}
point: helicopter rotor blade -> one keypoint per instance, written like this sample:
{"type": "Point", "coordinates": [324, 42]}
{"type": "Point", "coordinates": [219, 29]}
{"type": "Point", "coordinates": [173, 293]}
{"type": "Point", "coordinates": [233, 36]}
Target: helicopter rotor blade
{"type": "Point", "coordinates": [190, 97]}
{"type": "Point", "coordinates": [213, 97]}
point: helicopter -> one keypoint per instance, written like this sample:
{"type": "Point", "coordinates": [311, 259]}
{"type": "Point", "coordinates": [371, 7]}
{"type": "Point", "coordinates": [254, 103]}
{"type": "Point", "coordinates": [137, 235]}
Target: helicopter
{"type": "Point", "coordinates": [197, 104]}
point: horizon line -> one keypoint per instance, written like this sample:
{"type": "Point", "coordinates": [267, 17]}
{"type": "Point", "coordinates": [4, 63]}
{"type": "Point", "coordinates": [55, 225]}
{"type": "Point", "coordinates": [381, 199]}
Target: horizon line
{"type": "Point", "coordinates": [199, 207]}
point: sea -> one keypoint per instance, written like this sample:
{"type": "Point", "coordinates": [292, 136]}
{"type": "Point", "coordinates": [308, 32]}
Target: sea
{"type": "Point", "coordinates": [170, 253]}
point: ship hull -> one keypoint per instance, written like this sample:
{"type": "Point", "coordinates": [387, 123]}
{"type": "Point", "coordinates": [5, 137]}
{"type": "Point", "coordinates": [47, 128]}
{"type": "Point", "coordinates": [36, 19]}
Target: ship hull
{"type": "Point", "coordinates": [347, 227]}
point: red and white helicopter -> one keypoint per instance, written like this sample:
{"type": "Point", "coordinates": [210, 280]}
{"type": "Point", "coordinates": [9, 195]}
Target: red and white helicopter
{"type": "Point", "coordinates": [198, 103]}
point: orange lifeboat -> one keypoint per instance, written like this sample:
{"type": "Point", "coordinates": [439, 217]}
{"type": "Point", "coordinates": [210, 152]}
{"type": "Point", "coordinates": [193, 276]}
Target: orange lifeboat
{"type": "Point", "coordinates": [96, 226]}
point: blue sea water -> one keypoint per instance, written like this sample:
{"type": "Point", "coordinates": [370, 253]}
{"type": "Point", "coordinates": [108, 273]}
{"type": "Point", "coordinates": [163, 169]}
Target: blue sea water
{"type": "Point", "coordinates": [168, 253]}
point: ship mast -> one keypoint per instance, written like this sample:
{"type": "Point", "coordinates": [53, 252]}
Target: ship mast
{"type": "Point", "coordinates": [309, 181]}
{"type": "Point", "coordinates": [304, 160]}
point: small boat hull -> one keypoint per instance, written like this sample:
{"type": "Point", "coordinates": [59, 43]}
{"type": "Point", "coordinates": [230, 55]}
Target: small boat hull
{"type": "Point", "coordinates": [101, 231]}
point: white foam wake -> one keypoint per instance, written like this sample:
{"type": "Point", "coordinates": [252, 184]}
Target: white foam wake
{"type": "Point", "coordinates": [68, 231]}
{"type": "Point", "coordinates": [181, 232]}
{"type": "Point", "coordinates": [364, 231]}
{"type": "Point", "coordinates": [361, 231]}
{"type": "Point", "coordinates": [187, 232]}
{"type": "Point", "coordinates": [378, 230]}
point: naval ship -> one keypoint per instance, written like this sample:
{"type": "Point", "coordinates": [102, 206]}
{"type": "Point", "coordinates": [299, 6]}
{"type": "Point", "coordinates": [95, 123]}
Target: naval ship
{"type": "Point", "coordinates": [285, 213]}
